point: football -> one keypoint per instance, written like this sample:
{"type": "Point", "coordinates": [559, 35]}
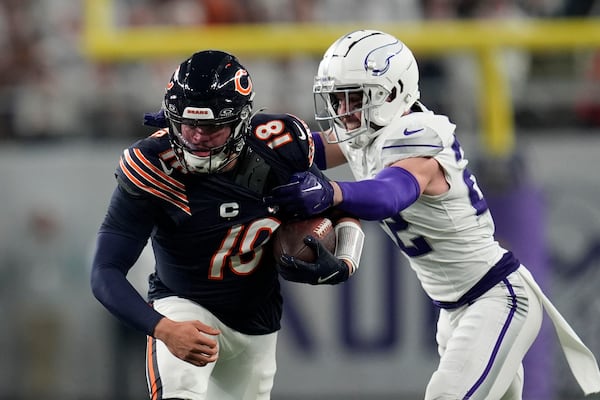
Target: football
{"type": "Point", "coordinates": [289, 237]}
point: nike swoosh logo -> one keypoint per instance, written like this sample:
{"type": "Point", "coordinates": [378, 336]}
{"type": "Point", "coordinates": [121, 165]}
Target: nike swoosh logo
{"type": "Point", "coordinates": [322, 280]}
{"type": "Point", "coordinates": [167, 170]}
{"type": "Point", "coordinates": [316, 187]}
{"type": "Point", "coordinates": [408, 132]}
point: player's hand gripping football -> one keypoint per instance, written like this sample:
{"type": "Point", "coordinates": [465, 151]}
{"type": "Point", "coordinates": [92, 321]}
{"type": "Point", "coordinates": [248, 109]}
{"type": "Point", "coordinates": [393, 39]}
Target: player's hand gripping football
{"type": "Point", "coordinates": [305, 195]}
{"type": "Point", "coordinates": [327, 268]}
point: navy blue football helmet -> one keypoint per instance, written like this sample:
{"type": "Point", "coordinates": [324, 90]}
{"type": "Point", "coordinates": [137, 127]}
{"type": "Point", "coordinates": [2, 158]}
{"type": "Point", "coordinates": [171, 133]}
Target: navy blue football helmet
{"type": "Point", "coordinates": [209, 88]}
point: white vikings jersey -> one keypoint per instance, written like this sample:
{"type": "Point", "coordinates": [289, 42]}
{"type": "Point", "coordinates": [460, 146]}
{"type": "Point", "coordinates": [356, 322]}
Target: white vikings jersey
{"type": "Point", "coordinates": [449, 238]}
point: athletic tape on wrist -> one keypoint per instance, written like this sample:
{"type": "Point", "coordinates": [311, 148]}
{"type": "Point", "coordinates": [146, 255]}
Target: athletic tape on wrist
{"type": "Point", "coordinates": [349, 241]}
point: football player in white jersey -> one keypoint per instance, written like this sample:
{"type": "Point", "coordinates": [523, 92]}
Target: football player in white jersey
{"type": "Point", "coordinates": [411, 174]}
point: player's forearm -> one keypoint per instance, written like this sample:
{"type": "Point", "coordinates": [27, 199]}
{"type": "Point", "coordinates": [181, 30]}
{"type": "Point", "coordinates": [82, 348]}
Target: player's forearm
{"type": "Point", "coordinates": [388, 193]}
{"type": "Point", "coordinates": [337, 193]}
{"type": "Point", "coordinates": [327, 155]}
{"type": "Point", "coordinates": [123, 301]}
{"type": "Point", "coordinates": [111, 287]}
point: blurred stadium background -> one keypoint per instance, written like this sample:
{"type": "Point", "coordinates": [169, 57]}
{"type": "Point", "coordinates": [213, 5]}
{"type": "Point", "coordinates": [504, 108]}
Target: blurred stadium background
{"type": "Point", "coordinates": [520, 78]}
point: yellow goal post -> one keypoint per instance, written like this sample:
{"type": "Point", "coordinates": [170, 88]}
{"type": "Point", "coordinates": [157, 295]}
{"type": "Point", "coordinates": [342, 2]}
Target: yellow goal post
{"type": "Point", "coordinates": [103, 40]}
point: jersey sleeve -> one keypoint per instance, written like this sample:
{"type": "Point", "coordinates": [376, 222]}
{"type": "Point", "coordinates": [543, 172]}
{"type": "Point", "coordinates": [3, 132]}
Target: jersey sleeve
{"type": "Point", "coordinates": [287, 136]}
{"type": "Point", "coordinates": [415, 135]}
{"type": "Point", "coordinates": [127, 225]}
{"type": "Point", "coordinates": [121, 238]}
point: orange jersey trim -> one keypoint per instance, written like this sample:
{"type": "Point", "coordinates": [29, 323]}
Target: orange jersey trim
{"type": "Point", "coordinates": [154, 182]}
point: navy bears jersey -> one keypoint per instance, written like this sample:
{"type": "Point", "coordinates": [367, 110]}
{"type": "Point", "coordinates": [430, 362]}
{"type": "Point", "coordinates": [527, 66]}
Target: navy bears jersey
{"type": "Point", "coordinates": [210, 232]}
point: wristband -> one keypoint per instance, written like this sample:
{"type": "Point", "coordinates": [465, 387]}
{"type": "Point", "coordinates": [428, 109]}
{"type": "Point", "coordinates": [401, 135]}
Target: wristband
{"type": "Point", "coordinates": [349, 241]}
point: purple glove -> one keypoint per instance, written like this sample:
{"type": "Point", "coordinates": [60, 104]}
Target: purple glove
{"type": "Point", "coordinates": [305, 195]}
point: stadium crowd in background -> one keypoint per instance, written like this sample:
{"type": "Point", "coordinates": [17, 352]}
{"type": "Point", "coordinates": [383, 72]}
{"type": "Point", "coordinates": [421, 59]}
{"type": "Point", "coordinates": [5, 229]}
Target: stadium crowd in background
{"type": "Point", "coordinates": [44, 68]}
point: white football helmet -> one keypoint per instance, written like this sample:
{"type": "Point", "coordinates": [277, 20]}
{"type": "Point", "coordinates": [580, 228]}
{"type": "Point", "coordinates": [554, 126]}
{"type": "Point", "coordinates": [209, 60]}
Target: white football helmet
{"type": "Point", "coordinates": [379, 67]}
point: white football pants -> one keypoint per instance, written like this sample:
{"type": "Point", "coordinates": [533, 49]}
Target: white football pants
{"type": "Point", "coordinates": [482, 345]}
{"type": "Point", "coordinates": [244, 370]}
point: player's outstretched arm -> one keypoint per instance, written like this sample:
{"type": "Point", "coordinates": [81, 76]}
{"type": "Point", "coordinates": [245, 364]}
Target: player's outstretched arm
{"type": "Point", "coordinates": [389, 192]}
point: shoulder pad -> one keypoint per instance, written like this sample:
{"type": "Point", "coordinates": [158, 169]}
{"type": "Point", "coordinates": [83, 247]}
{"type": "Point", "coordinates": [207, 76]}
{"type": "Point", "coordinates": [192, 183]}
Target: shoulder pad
{"type": "Point", "coordinates": [288, 136]}
{"type": "Point", "coordinates": [149, 168]}
{"type": "Point", "coordinates": [415, 135]}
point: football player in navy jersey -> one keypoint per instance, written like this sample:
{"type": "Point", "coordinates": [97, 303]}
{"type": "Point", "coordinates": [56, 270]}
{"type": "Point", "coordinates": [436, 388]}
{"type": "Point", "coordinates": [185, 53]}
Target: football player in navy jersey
{"type": "Point", "coordinates": [412, 176]}
{"type": "Point", "coordinates": [195, 187]}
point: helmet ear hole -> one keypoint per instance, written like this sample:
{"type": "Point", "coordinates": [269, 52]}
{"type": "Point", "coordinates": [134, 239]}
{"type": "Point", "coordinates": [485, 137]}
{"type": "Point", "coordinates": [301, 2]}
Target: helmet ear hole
{"type": "Point", "coordinates": [392, 96]}
{"type": "Point", "coordinates": [245, 113]}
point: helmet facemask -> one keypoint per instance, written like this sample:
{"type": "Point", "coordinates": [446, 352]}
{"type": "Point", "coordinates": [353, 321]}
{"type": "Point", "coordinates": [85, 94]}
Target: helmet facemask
{"type": "Point", "coordinates": [336, 107]}
{"type": "Point", "coordinates": [220, 157]}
